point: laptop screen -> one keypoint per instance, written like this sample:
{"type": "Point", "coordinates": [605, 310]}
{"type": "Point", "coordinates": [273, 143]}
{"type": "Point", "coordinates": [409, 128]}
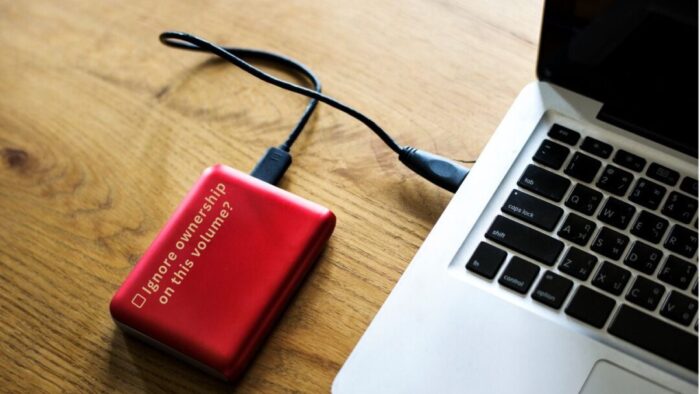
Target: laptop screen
{"type": "Point", "coordinates": [638, 57]}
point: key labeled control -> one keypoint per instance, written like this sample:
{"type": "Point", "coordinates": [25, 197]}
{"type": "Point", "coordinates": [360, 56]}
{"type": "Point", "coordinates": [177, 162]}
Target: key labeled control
{"type": "Point", "coordinates": [519, 275]}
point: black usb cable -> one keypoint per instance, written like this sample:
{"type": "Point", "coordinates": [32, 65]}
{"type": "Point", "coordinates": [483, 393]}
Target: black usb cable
{"type": "Point", "coordinates": [273, 164]}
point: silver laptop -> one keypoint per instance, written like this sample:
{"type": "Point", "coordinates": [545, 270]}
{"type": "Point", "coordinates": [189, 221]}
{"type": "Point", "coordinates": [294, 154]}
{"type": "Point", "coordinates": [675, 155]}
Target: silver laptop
{"type": "Point", "coordinates": [567, 261]}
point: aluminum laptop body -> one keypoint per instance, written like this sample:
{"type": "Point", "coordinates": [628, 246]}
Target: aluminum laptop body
{"type": "Point", "coordinates": [567, 261]}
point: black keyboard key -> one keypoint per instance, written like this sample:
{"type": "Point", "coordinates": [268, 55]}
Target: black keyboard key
{"type": "Point", "coordinates": [611, 278]}
{"type": "Point", "coordinates": [677, 272]}
{"type": "Point", "coordinates": [682, 241]}
{"type": "Point", "coordinates": [563, 134]}
{"type": "Point", "coordinates": [649, 227]}
{"type": "Point", "coordinates": [663, 174]}
{"type": "Point", "coordinates": [486, 260]}
{"type": "Point", "coordinates": [645, 293]}
{"type": "Point", "coordinates": [576, 229]}
{"type": "Point", "coordinates": [525, 240]}
{"type": "Point", "coordinates": [590, 307]}
{"type": "Point", "coordinates": [532, 210]}
{"type": "Point", "coordinates": [616, 213]}
{"type": "Point", "coordinates": [519, 275]}
{"type": "Point", "coordinates": [629, 160]}
{"type": "Point", "coordinates": [690, 186]}
{"type": "Point", "coordinates": [552, 290]}
{"type": "Point", "coordinates": [545, 183]}
{"type": "Point", "coordinates": [584, 199]}
{"type": "Point", "coordinates": [582, 167]}
{"type": "Point", "coordinates": [647, 193]}
{"type": "Point", "coordinates": [695, 288]}
{"type": "Point", "coordinates": [596, 147]}
{"type": "Point", "coordinates": [680, 207]}
{"type": "Point", "coordinates": [643, 258]}
{"type": "Point", "coordinates": [578, 263]}
{"type": "Point", "coordinates": [656, 336]}
{"type": "Point", "coordinates": [610, 243]}
{"type": "Point", "coordinates": [615, 180]}
{"type": "Point", "coordinates": [551, 154]}
{"type": "Point", "coordinates": [679, 308]}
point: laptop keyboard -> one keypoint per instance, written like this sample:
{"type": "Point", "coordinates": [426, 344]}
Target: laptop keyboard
{"type": "Point", "coordinates": [623, 257]}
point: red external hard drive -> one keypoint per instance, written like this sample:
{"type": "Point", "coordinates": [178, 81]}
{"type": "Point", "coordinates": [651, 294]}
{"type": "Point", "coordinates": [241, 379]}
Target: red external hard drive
{"type": "Point", "coordinates": [221, 270]}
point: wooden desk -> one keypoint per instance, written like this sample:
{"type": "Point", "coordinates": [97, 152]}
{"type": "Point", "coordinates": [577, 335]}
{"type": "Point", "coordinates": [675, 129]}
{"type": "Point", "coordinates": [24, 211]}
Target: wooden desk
{"type": "Point", "coordinates": [103, 130]}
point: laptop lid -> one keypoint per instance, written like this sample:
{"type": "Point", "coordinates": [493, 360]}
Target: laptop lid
{"type": "Point", "coordinates": [638, 57]}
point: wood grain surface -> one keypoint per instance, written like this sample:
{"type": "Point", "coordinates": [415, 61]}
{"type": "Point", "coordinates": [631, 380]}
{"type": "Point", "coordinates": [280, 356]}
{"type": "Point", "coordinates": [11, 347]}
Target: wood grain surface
{"type": "Point", "coordinates": [103, 130]}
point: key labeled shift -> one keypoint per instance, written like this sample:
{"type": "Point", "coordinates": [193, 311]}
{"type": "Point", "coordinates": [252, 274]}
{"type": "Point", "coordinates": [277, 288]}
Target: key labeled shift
{"type": "Point", "coordinates": [525, 240]}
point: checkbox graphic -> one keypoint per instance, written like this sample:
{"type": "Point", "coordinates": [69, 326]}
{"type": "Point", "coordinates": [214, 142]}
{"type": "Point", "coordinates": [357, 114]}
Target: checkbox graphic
{"type": "Point", "coordinates": [138, 300]}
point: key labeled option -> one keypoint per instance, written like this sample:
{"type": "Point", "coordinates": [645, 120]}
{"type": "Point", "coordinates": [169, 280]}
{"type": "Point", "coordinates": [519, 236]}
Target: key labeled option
{"type": "Point", "coordinates": [552, 290]}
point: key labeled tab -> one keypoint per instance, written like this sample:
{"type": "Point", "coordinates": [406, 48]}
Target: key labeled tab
{"type": "Point", "coordinates": [545, 183]}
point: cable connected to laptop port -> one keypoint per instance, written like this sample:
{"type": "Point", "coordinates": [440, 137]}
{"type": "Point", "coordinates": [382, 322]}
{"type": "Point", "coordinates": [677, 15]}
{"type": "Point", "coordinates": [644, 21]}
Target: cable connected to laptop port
{"type": "Point", "coordinates": [439, 170]}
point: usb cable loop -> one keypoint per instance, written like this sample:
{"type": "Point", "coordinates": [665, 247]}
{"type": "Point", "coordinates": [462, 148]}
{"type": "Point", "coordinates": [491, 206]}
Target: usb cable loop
{"type": "Point", "coordinates": [271, 167]}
